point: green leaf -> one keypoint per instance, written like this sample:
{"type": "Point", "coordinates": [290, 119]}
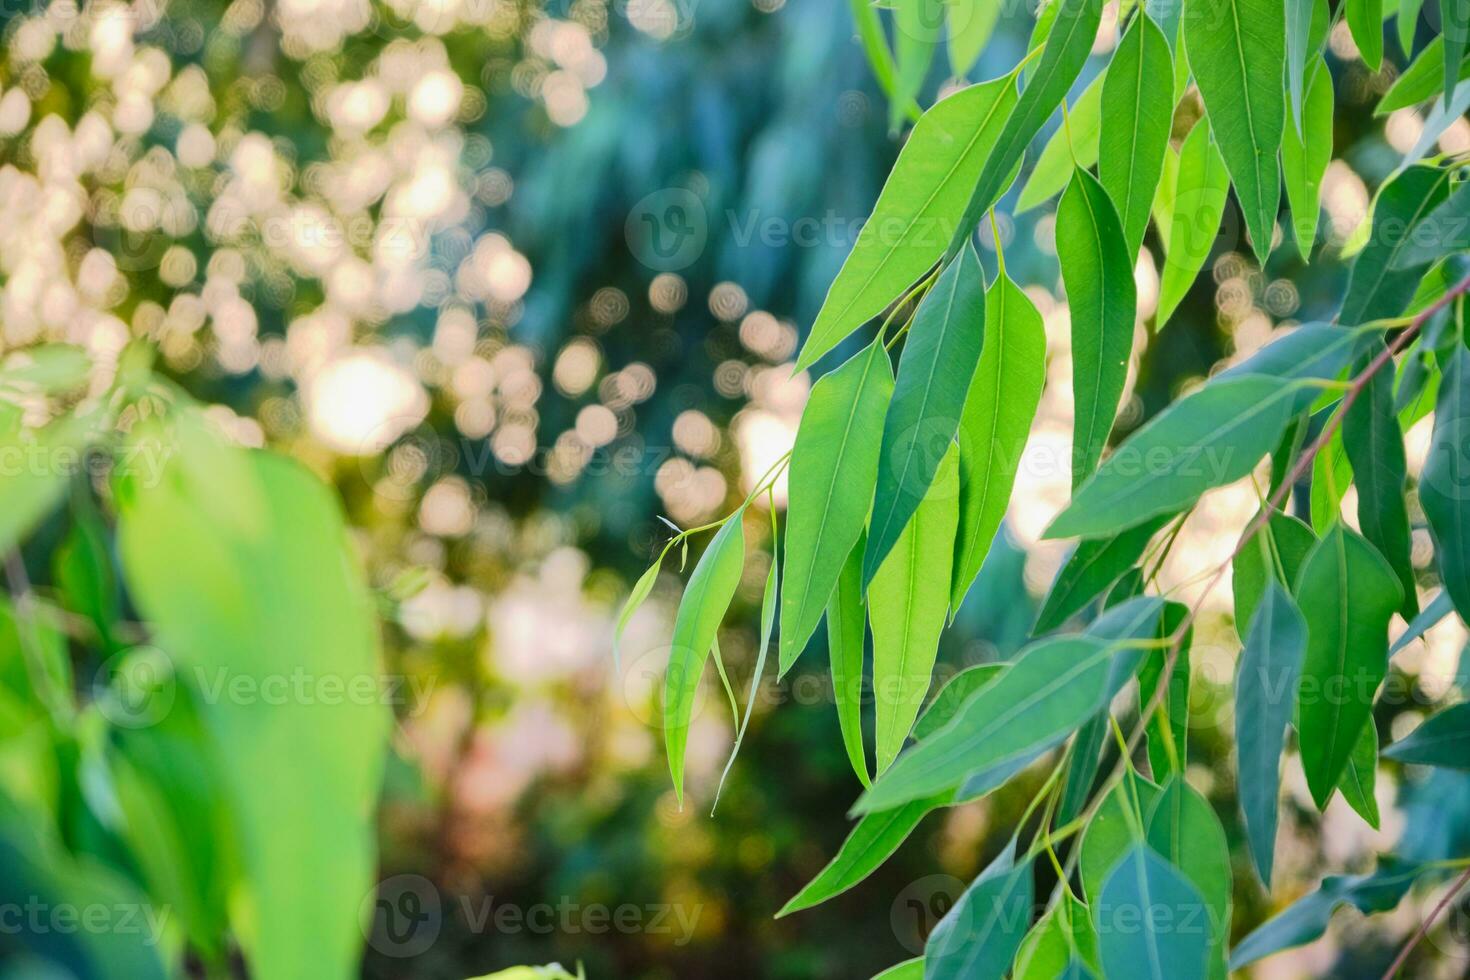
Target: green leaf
{"type": "Point", "coordinates": [907, 606]}
{"type": "Point", "coordinates": [995, 423]}
{"type": "Point", "coordinates": [1360, 775]}
{"type": "Point", "coordinates": [83, 571]}
{"type": "Point", "coordinates": [939, 361]}
{"type": "Point", "coordinates": [872, 841]}
{"type": "Point", "coordinates": [35, 481]}
{"type": "Point", "coordinates": [1201, 186]}
{"type": "Point", "coordinates": [847, 625]}
{"type": "Point", "coordinates": [696, 625]}
{"type": "Point", "coordinates": [1168, 727]}
{"type": "Point", "coordinates": [1137, 113]}
{"type": "Point", "coordinates": [978, 937]}
{"type": "Point", "coordinates": [1331, 474]}
{"type": "Point", "coordinates": [46, 368]}
{"type": "Point", "coordinates": [1183, 827]}
{"type": "Point", "coordinates": [768, 624]}
{"type": "Point", "coordinates": [1068, 45]}
{"type": "Point", "coordinates": [636, 597]}
{"type": "Point", "coordinates": [1454, 19]}
{"type": "Point", "coordinates": [1347, 593]}
{"type": "Point", "coordinates": [834, 467]}
{"type": "Point", "coordinates": [959, 690]}
{"type": "Point", "coordinates": [1365, 20]}
{"type": "Point", "coordinates": [1299, 48]}
{"type": "Point", "coordinates": [1375, 448]}
{"type": "Point", "coordinates": [1443, 740]}
{"type": "Point", "coordinates": [1055, 686]}
{"type": "Point", "coordinates": [875, 48]}
{"type": "Point", "coordinates": [1438, 608]}
{"type": "Point", "coordinates": [1421, 81]}
{"type": "Point", "coordinates": [1072, 145]}
{"type": "Point", "coordinates": [1375, 288]}
{"type": "Point", "coordinates": [916, 28]}
{"type": "Point", "coordinates": [1237, 49]}
{"type": "Point", "coordinates": [1407, 23]}
{"type": "Point", "coordinates": [1090, 571]}
{"type": "Point", "coordinates": [1064, 934]}
{"type": "Point", "coordinates": [1265, 696]}
{"type": "Point", "coordinates": [1097, 270]}
{"type": "Point", "coordinates": [1315, 350]}
{"type": "Point", "coordinates": [1444, 484]}
{"type": "Point", "coordinates": [971, 24]}
{"type": "Point", "coordinates": [1114, 828]}
{"type": "Point", "coordinates": [1306, 150]}
{"type": "Point", "coordinates": [907, 970]}
{"type": "Point", "coordinates": [1275, 554]}
{"type": "Point", "coordinates": [1151, 920]}
{"type": "Point", "coordinates": [1446, 230]}
{"type": "Point", "coordinates": [259, 592]}
{"type": "Point", "coordinates": [1306, 919]}
{"type": "Point", "coordinates": [1207, 439]}
{"type": "Point", "coordinates": [919, 204]}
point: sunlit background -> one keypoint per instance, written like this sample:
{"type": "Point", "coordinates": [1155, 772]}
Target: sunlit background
{"type": "Point", "coordinates": [421, 245]}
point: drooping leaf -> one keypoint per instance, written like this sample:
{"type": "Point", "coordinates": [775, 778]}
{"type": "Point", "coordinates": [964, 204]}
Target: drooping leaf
{"type": "Point", "coordinates": [1152, 922]}
{"type": "Point", "coordinates": [1313, 350]}
{"type": "Point", "coordinates": [1376, 289]}
{"type": "Point", "coordinates": [1360, 775]}
{"type": "Point", "coordinates": [711, 587]}
{"type": "Point", "coordinates": [262, 586]}
{"type": "Point", "coordinates": [955, 693]}
{"type": "Point", "coordinates": [1090, 571]}
{"type": "Point", "coordinates": [1237, 49]}
{"type": "Point", "coordinates": [1265, 696]}
{"type": "Point", "coordinates": [1454, 20]}
{"type": "Point", "coordinates": [1097, 269]}
{"type": "Point", "coordinates": [1072, 145]}
{"type": "Point", "coordinates": [1168, 727]}
{"type": "Point", "coordinates": [769, 599]}
{"type": "Point", "coordinates": [1442, 115]}
{"type": "Point", "coordinates": [1064, 935]}
{"type": "Point", "coordinates": [1365, 20]}
{"type": "Point", "coordinates": [875, 48]}
{"type": "Point", "coordinates": [1200, 189]}
{"type": "Point", "coordinates": [1444, 484]}
{"type": "Point", "coordinates": [1306, 919]}
{"type": "Point", "coordinates": [1445, 230]}
{"type": "Point", "coordinates": [1299, 49]}
{"type": "Point", "coordinates": [1332, 472]}
{"type": "Point", "coordinates": [834, 467]}
{"type": "Point", "coordinates": [978, 937]}
{"type": "Point", "coordinates": [1114, 828]}
{"type": "Point", "coordinates": [1207, 439]}
{"type": "Point", "coordinates": [1347, 594]}
{"type": "Point", "coordinates": [1183, 828]}
{"type": "Point", "coordinates": [31, 490]}
{"type": "Point", "coordinates": [916, 28]}
{"type": "Point", "coordinates": [939, 361]}
{"type": "Point", "coordinates": [1421, 81]}
{"type": "Point", "coordinates": [921, 200]}
{"type": "Point", "coordinates": [1068, 44]}
{"type": "Point", "coordinates": [1375, 448]}
{"type": "Point", "coordinates": [995, 423]}
{"type": "Point", "coordinates": [970, 23]}
{"type": "Point", "coordinates": [1438, 608]}
{"type": "Point", "coordinates": [906, 607]}
{"type": "Point", "coordinates": [847, 626]}
{"type": "Point", "coordinates": [1051, 689]}
{"type": "Point", "coordinates": [1137, 113]}
{"type": "Point", "coordinates": [1443, 740]}
{"type": "Point", "coordinates": [1276, 553]}
{"type": "Point", "coordinates": [636, 597]}
{"type": "Point", "coordinates": [1406, 23]}
{"type": "Point", "coordinates": [1306, 151]}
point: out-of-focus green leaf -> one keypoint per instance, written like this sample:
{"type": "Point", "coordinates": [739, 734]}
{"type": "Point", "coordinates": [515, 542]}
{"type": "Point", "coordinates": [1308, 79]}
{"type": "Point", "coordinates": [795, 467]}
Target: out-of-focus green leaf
{"type": "Point", "coordinates": [1375, 449]}
{"type": "Point", "coordinates": [1306, 150]}
{"type": "Point", "coordinates": [48, 368]}
{"type": "Point", "coordinates": [916, 28]}
{"type": "Point", "coordinates": [1136, 116]}
{"type": "Point", "coordinates": [939, 361]}
{"type": "Point", "coordinates": [1198, 203]}
{"type": "Point", "coordinates": [847, 626]}
{"type": "Point", "coordinates": [1051, 689]}
{"type": "Point", "coordinates": [907, 970]}
{"type": "Point", "coordinates": [1072, 145]}
{"type": "Point", "coordinates": [978, 937]}
{"type": "Point", "coordinates": [1347, 594]}
{"type": "Point", "coordinates": [834, 466]}
{"type": "Point", "coordinates": [36, 466]}
{"type": "Point", "coordinates": [919, 204]}
{"type": "Point", "coordinates": [1444, 484]}
{"type": "Point", "coordinates": [1068, 45]}
{"type": "Point", "coordinates": [259, 590]}
{"type": "Point", "coordinates": [1376, 288]}
{"type": "Point", "coordinates": [1207, 439]}
{"type": "Point", "coordinates": [1265, 697]}
{"type": "Point", "coordinates": [971, 23]}
{"type": "Point", "coordinates": [1097, 269]}
{"type": "Point", "coordinates": [1140, 894]}
{"type": "Point", "coordinates": [906, 607]}
{"type": "Point", "coordinates": [1443, 740]}
{"type": "Point", "coordinates": [999, 409]}
{"type": "Point", "coordinates": [706, 599]}
{"type": "Point", "coordinates": [1237, 49]}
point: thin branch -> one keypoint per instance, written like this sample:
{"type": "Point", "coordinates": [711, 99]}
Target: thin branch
{"type": "Point", "coordinates": [1426, 925]}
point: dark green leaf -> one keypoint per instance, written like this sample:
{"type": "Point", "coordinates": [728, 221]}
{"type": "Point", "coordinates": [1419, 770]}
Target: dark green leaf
{"type": "Point", "coordinates": [1421, 81]}
{"type": "Point", "coordinates": [1090, 571]}
{"type": "Point", "coordinates": [1443, 740]}
{"type": "Point", "coordinates": [1375, 289]}
{"type": "Point", "coordinates": [1454, 21]}
{"type": "Point", "coordinates": [1446, 230]}
{"type": "Point", "coordinates": [1361, 773]}
{"type": "Point", "coordinates": [1276, 553]}
{"type": "Point", "coordinates": [977, 939]}
{"type": "Point", "coordinates": [1097, 269]}
{"type": "Point", "coordinates": [1444, 484]}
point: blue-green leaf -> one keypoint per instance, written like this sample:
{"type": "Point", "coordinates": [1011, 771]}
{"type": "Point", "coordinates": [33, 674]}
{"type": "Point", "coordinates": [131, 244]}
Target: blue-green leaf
{"type": "Point", "coordinates": [1376, 289]}
{"type": "Point", "coordinates": [977, 939]}
{"type": "Point", "coordinates": [1443, 740]}
{"type": "Point", "coordinates": [1444, 484]}
{"type": "Point", "coordinates": [1151, 921]}
{"type": "Point", "coordinates": [1183, 827]}
{"type": "Point", "coordinates": [1090, 571]}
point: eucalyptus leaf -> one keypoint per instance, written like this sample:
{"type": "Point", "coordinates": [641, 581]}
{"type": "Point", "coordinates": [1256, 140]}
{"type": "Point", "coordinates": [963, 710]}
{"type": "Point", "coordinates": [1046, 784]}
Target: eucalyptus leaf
{"type": "Point", "coordinates": [847, 627]}
{"type": "Point", "coordinates": [1442, 740]}
{"type": "Point", "coordinates": [1074, 144]}
{"type": "Point", "coordinates": [1306, 152]}
{"type": "Point", "coordinates": [1091, 570]}
{"type": "Point", "coordinates": [1137, 113]}
{"type": "Point", "coordinates": [1183, 827]}
{"type": "Point", "coordinates": [1444, 484]}
{"type": "Point", "coordinates": [1198, 203]}
{"type": "Point", "coordinates": [1151, 921]}
{"type": "Point", "coordinates": [978, 937]}
{"type": "Point", "coordinates": [1375, 288]}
